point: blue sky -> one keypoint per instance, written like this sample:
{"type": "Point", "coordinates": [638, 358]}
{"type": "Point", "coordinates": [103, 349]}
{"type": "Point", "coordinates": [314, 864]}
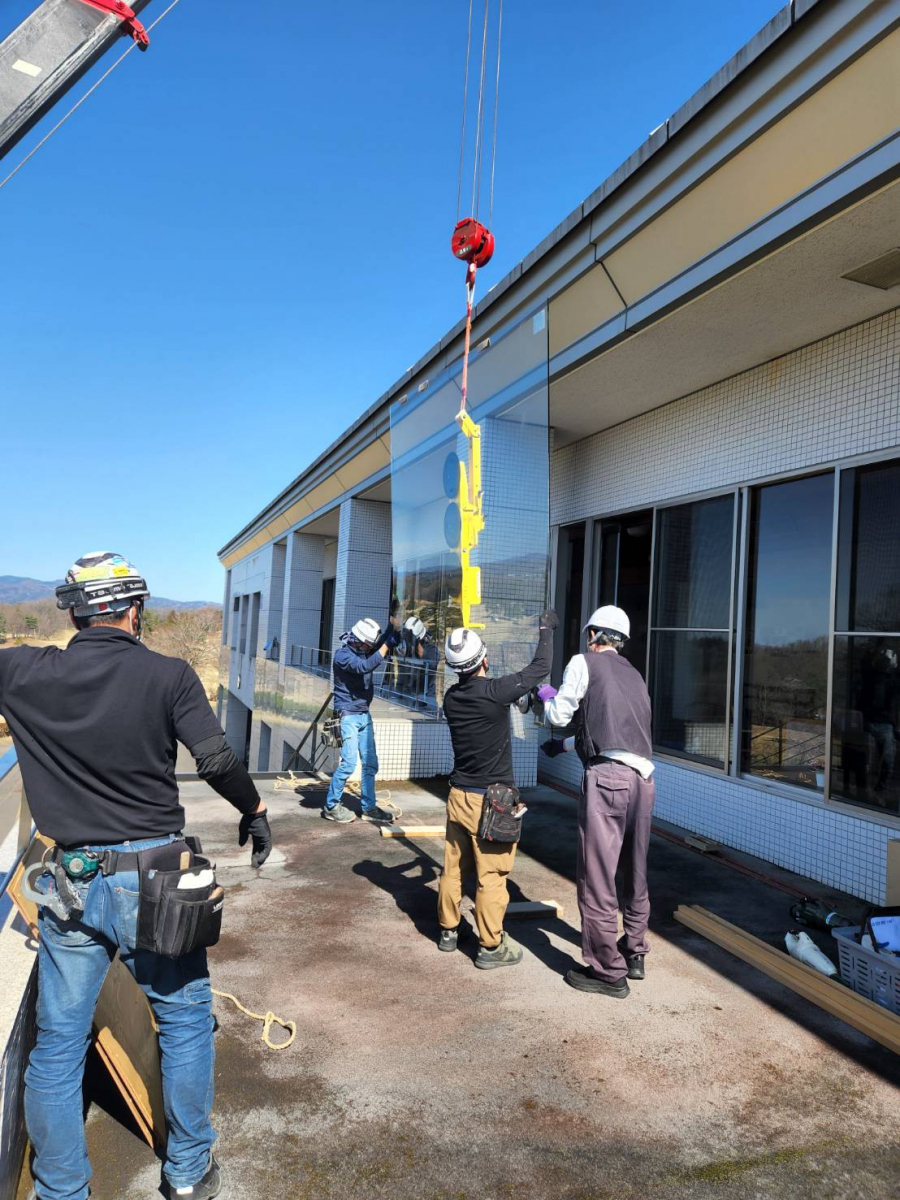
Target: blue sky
{"type": "Point", "coordinates": [242, 239]}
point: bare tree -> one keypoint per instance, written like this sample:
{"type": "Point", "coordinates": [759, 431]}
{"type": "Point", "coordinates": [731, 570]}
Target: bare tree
{"type": "Point", "coordinates": [192, 634]}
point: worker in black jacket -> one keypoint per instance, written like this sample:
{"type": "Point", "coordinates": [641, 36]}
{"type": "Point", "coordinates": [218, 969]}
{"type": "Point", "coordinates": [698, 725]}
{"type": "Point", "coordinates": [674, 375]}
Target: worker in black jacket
{"type": "Point", "coordinates": [477, 711]}
{"type": "Point", "coordinates": [95, 728]}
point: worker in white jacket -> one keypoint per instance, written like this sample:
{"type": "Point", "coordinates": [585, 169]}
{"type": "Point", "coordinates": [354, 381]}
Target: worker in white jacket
{"type": "Point", "coordinates": [609, 702]}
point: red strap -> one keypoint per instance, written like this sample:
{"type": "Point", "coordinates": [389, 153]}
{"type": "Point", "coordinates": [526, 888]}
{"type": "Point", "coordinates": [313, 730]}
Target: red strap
{"type": "Point", "coordinates": [470, 296]}
{"type": "Point", "coordinates": [130, 23]}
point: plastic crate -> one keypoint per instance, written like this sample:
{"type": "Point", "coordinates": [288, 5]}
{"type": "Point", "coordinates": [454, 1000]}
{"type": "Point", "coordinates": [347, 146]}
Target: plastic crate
{"type": "Point", "coordinates": [875, 976]}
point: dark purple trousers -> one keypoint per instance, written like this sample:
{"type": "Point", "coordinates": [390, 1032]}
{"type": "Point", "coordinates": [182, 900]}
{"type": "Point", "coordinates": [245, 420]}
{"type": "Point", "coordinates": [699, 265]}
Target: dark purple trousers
{"type": "Point", "coordinates": [613, 830]}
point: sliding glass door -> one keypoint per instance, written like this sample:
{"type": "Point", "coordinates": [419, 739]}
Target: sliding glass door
{"type": "Point", "coordinates": [785, 675]}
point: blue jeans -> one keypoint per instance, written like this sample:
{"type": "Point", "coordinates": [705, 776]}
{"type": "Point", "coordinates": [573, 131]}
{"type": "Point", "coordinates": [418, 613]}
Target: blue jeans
{"type": "Point", "coordinates": [73, 959]}
{"type": "Point", "coordinates": [358, 737]}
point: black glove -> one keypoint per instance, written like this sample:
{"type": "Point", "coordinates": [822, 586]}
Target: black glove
{"type": "Point", "coordinates": [393, 639]}
{"type": "Point", "coordinates": [256, 825]}
{"type": "Point", "coordinates": [553, 747]}
{"type": "Point", "coordinates": [548, 619]}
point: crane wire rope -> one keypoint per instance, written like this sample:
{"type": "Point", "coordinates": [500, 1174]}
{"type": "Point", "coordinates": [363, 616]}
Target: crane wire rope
{"type": "Point", "coordinates": [78, 103]}
{"type": "Point", "coordinates": [464, 246]}
{"type": "Point", "coordinates": [462, 134]}
{"type": "Point", "coordinates": [496, 107]}
{"type": "Point", "coordinates": [479, 121]}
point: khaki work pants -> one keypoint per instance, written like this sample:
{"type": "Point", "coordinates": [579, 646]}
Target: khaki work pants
{"type": "Point", "coordinates": [465, 852]}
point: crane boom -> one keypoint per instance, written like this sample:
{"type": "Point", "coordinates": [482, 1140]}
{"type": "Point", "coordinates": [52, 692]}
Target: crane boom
{"type": "Point", "coordinates": [50, 51]}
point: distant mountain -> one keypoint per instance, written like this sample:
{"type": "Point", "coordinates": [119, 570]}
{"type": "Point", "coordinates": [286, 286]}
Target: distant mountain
{"type": "Point", "coordinates": [17, 589]}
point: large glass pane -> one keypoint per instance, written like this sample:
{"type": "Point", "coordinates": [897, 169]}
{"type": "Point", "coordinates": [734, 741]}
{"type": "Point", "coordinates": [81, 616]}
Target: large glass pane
{"type": "Point", "coordinates": [785, 664]}
{"type": "Point", "coordinates": [692, 619]}
{"type": "Point", "coordinates": [440, 506]}
{"type": "Point", "coordinates": [865, 763]}
{"type": "Point", "coordinates": [868, 597]}
{"type": "Point", "coordinates": [689, 693]}
{"type": "Point", "coordinates": [693, 565]}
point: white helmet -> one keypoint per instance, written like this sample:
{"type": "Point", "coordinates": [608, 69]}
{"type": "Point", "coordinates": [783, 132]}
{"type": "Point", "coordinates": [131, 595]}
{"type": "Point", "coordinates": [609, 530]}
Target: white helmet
{"type": "Point", "coordinates": [366, 631]}
{"type": "Point", "coordinates": [415, 627]}
{"type": "Point", "coordinates": [611, 619]}
{"type": "Point", "coordinates": [464, 651]}
{"type": "Point", "coordinates": [101, 582]}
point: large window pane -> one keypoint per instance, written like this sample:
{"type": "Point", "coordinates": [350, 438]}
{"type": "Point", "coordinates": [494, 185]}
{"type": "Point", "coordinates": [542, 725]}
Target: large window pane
{"type": "Point", "coordinates": [865, 762]}
{"type": "Point", "coordinates": [692, 629]}
{"type": "Point", "coordinates": [693, 565]}
{"type": "Point", "coordinates": [689, 673]}
{"type": "Point", "coordinates": [785, 665]}
{"type": "Point", "coordinates": [868, 595]}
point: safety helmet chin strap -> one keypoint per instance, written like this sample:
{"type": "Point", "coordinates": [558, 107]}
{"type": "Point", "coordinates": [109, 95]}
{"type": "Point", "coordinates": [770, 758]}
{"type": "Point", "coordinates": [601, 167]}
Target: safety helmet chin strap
{"type": "Point", "coordinates": [139, 630]}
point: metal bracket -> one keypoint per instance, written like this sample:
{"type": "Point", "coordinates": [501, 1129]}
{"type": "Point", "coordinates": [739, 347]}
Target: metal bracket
{"type": "Point", "coordinates": [130, 24]}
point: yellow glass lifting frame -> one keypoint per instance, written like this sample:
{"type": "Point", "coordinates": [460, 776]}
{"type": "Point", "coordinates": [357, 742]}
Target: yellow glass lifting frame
{"type": "Point", "coordinates": [471, 512]}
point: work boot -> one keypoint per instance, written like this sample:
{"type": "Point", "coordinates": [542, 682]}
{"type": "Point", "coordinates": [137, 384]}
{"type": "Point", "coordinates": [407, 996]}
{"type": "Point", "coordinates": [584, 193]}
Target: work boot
{"type": "Point", "coordinates": [339, 813]}
{"type": "Point", "coordinates": [584, 980]}
{"type": "Point", "coordinates": [635, 962]}
{"type": "Point", "coordinates": [507, 954]}
{"type": "Point", "coordinates": [449, 937]}
{"type": "Point", "coordinates": [204, 1189]}
{"type": "Point", "coordinates": [378, 814]}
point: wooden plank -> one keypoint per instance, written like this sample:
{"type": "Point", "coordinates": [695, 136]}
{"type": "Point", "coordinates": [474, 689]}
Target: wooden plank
{"type": "Point", "coordinates": [124, 1030]}
{"type": "Point", "coordinates": [869, 1018]}
{"type": "Point", "coordinates": [533, 908]}
{"type": "Point", "coordinates": [412, 831]}
{"type": "Point", "coordinates": [892, 881]}
{"type": "Point", "coordinates": [833, 997]}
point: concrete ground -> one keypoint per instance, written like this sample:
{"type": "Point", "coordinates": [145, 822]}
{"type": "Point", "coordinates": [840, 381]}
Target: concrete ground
{"type": "Point", "coordinates": [416, 1076]}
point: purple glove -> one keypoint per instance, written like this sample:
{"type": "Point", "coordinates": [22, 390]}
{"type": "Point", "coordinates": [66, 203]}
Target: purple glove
{"type": "Point", "coordinates": [545, 692]}
{"type": "Point", "coordinates": [553, 747]}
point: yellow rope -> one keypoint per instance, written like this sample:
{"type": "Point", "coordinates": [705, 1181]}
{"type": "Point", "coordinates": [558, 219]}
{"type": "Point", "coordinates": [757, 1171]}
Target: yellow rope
{"type": "Point", "coordinates": [267, 1020]}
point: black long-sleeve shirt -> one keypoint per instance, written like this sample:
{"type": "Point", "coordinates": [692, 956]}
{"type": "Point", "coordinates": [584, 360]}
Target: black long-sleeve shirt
{"type": "Point", "coordinates": [95, 728]}
{"type": "Point", "coordinates": [477, 711]}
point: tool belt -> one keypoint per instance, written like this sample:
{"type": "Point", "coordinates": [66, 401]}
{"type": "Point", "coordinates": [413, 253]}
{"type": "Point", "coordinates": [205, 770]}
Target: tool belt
{"type": "Point", "coordinates": [498, 822]}
{"type": "Point", "coordinates": [180, 904]}
{"type": "Point", "coordinates": [331, 733]}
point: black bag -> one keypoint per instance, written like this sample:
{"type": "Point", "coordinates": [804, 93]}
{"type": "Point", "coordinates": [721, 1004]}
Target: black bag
{"type": "Point", "coordinates": [497, 822]}
{"type": "Point", "coordinates": [175, 920]}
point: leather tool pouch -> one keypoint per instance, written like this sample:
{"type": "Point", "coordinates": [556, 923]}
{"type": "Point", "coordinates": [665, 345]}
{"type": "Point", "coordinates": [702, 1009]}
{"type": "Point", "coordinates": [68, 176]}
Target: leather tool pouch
{"type": "Point", "coordinates": [172, 919]}
{"type": "Point", "coordinates": [497, 823]}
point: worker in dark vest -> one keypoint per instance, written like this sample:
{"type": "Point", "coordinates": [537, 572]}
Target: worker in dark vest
{"type": "Point", "coordinates": [608, 699]}
{"type": "Point", "coordinates": [95, 728]}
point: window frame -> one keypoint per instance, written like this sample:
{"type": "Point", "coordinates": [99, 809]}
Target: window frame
{"type": "Point", "coordinates": [738, 610]}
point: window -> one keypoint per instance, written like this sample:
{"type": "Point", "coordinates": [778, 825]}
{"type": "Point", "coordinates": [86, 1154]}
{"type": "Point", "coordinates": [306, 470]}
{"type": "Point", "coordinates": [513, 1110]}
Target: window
{"type": "Point", "coordinates": [692, 629]}
{"type": "Point", "coordinates": [265, 745]}
{"type": "Point", "coordinates": [235, 621]}
{"type": "Point", "coordinates": [865, 764]}
{"type": "Point", "coordinates": [245, 609]}
{"type": "Point", "coordinates": [772, 660]}
{"type": "Point", "coordinates": [783, 733]}
{"type": "Point", "coordinates": [256, 602]}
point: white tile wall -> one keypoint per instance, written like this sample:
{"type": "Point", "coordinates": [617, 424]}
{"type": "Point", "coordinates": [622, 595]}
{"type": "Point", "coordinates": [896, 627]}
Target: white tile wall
{"type": "Point", "coordinates": [363, 578]}
{"type": "Point", "coordinates": [837, 398]}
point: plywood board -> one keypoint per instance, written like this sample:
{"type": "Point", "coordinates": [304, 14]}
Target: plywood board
{"type": "Point", "coordinates": [124, 1030]}
{"type": "Point", "coordinates": [413, 831]}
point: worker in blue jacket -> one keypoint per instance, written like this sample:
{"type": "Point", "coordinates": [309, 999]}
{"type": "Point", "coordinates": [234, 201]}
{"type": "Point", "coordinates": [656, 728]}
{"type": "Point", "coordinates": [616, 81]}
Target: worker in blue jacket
{"type": "Point", "coordinates": [363, 648]}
